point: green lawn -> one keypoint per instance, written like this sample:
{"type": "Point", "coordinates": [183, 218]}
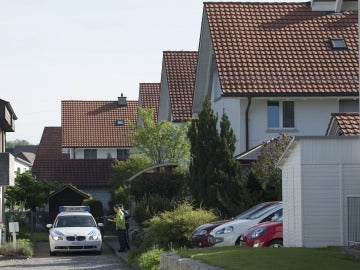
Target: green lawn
{"type": "Point", "coordinates": [239, 258]}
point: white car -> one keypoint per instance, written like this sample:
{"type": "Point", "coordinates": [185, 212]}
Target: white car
{"type": "Point", "coordinates": [229, 233]}
{"type": "Point", "coordinates": [74, 230]}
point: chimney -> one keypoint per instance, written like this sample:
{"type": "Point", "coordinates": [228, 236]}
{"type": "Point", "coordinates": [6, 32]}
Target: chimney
{"type": "Point", "coordinates": [122, 101]}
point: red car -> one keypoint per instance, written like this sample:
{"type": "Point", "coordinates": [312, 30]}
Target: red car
{"type": "Point", "coordinates": [267, 234]}
{"type": "Point", "coordinates": [199, 237]}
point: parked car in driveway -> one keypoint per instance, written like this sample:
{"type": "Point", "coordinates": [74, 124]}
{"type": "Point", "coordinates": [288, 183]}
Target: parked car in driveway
{"type": "Point", "coordinates": [74, 230]}
{"type": "Point", "coordinates": [229, 233]}
{"type": "Point", "coordinates": [199, 237]}
{"type": "Point", "coordinates": [267, 234]}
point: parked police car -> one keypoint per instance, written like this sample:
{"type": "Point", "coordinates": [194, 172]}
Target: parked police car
{"type": "Point", "coordinates": [74, 230]}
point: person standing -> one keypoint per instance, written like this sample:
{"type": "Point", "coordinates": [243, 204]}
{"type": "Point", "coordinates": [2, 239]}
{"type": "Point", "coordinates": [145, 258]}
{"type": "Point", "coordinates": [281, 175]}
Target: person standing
{"type": "Point", "coordinates": [120, 226]}
{"type": "Point", "coordinates": [127, 225]}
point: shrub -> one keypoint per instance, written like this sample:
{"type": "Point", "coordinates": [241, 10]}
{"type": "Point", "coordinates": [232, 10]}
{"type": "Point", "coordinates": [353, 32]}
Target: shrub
{"type": "Point", "coordinates": [24, 247]}
{"type": "Point", "coordinates": [173, 229]}
{"type": "Point", "coordinates": [149, 260]}
{"type": "Point", "coordinates": [96, 208]}
{"type": "Point", "coordinates": [122, 195]}
{"type": "Point", "coordinates": [149, 206]}
{"type": "Point", "coordinates": [163, 184]}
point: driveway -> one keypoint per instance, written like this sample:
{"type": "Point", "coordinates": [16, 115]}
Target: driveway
{"type": "Point", "coordinates": [42, 261]}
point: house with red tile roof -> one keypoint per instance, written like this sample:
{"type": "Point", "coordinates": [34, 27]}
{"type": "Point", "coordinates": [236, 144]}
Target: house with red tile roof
{"type": "Point", "coordinates": [149, 95]}
{"type": "Point", "coordinates": [278, 67]}
{"type": "Point", "coordinates": [177, 85]}
{"type": "Point", "coordinates": [344, 124]}
{"type": "Point", "coordinates": [98, 129]}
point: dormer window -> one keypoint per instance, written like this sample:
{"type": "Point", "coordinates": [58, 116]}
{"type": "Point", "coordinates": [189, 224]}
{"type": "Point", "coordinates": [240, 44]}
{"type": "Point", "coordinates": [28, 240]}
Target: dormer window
{"type": "Point", "coordinates": [120, 122]}
{"type": "Point", "coordinates": [337, 43]}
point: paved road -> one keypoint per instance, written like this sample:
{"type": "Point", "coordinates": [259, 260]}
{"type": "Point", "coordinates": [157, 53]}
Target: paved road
{"type": "Point", "coordinates": [41, 260]}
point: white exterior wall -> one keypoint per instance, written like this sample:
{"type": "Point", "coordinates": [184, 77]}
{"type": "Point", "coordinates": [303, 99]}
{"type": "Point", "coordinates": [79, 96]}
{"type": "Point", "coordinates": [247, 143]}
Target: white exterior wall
{"type": "Point", "coordinates": [164, 102]}
{"type": "Point", "coordinates": [318, 110]}
{"type": "Point", "coordinates": [292, 197]}
{"type": "Point", "coordinates": [102, 153]}
{"type": "Point", "coordinates": [101, 194]}
{"type": "Point", "coordinates": [330, 169]}
{"type": "Point", "coordinates": [20, 167]}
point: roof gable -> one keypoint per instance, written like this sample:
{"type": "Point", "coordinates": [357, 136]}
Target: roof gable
{"type": "Point", "coordinates": [94, 123]}
{"type": "Point", "coordinates": [149, 95]}
{"type": "Point", "coordinates": [264, 49]}
{"type": "Point", "coordinates": [181, 72]}
{"type": "Point", "coordinates": [344, 124]}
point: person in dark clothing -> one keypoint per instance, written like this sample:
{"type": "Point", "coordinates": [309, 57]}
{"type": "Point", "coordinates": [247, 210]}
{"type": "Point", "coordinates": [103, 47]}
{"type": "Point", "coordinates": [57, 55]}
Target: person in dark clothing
{"type": "Point", "coordinates": [127, 225]}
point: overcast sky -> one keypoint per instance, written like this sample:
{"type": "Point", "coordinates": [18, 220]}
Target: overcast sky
{"type": "Point", "coordinates": [53, 50]}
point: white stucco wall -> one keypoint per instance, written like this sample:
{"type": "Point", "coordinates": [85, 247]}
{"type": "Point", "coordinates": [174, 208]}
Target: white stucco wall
{"type": "Point", "coordinates": [311, 118]}
{"type": "Point", "coordinates": [292, 197]}
{"type": "Point", "coordinates": [164, 102]}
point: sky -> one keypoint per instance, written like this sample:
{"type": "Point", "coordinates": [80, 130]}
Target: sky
{"type": "Point", "coordinates": [54, 50]}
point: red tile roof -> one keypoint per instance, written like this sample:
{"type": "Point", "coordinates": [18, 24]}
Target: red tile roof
{"type": "Point", "coordinates": [282, 48]}
{"type": "Point", "coordinates": [347, 123]}
{"type": "Point", "coordinates": [149, 95]}
{"type": "Point", "coordinates": [181, 72]}
{"type": "Point", "coordinates": [51, 165]}
{"type": "Point", "coordinates": [94, 123]}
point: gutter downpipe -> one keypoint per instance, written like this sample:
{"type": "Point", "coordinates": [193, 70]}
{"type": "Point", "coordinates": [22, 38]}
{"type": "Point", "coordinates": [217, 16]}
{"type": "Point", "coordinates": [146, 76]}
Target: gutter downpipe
{"type": "Point", "coordinates": [247, 123]}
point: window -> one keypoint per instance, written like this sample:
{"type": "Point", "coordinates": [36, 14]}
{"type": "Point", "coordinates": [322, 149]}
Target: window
{"type": "Point", "coordinates": [120, 122]}
{"type": "Point", "coordinates": [122, 154]}
{"type": "Point", "coordinates": [90, 154]}
{"type": "Point", "coordinates": [288, 114]}
{"type": "Point", "coordinates": [281, 112]}
{"type": "Point", "coordinates": [273, 114]}
{"type": "Point", "coordinates": [337, 43]}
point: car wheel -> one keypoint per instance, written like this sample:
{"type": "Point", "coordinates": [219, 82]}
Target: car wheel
{"type": "Point", "coordinates": [52, 253]}
{"type": "Point", "coordinates": [277, 243]}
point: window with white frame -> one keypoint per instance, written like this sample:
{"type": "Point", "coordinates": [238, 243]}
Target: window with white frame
{"type": "Point", "coordinates": [280, 112]}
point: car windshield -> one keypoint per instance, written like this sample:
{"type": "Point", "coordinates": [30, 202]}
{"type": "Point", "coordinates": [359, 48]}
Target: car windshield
{"type": "Point", "coordinates": [74, 221]}
{"type": "Point", "coordinates": [249, 212]}
{"type": "Point", "coordinates": [264, 211]}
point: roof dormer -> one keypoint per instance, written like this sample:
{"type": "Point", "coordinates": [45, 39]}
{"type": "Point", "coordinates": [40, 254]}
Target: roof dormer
{"type": "Point", "coordinates": [334, 5]}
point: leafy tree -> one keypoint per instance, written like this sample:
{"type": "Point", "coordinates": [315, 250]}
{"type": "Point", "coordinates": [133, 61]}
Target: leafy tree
{"type": "Point", "coordinates": [122, 170]}
{"type": "Point", "coordinates": [264, 168]}
{"type": "Point", "coordinates": [12, 144]}
{"type": "Point", "coordinates": [29, 192]}
{"type": "Point", "coordinates": [161, 141]}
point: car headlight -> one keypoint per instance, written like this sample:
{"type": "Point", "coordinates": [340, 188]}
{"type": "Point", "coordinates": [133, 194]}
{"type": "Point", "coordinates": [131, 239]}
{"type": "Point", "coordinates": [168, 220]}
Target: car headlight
{"type": "Point", "coordinates": [94, 237]}
{"type": "Point", "coordinates": [225, 230]}
{"type": "Point", "coordinates": [56, 237]}
{"type": "Point", "coordinates": [256, 233]}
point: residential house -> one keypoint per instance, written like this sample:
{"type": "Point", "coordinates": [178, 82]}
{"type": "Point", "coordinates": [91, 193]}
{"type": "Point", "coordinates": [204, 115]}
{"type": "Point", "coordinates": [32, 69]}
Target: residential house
{"type": "Point", "coordinates": [7, 124]}
{"type": "Point", "coordinates": [98, 129]}
{"type": "Point", "coordinates": [177, 85]}
{"type": "Point", "coordinates": [344, 124]}
{"type": "Point", "coordinates": [82, 150]}
{"type": "Point", "coordinates": [149, 95]}
{"type": "Point", "coordinates": [24, 157]}
{"type": "Point", "coordinates": [277, 67]}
